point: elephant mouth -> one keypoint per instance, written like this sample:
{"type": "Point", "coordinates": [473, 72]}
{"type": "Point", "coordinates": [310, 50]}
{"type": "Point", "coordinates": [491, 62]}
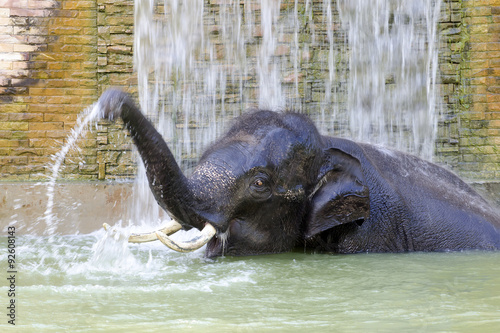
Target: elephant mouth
{"type": "Point", "coordinates": [214, 248]}
{"type": "Point", "coordinates": [217, 245]}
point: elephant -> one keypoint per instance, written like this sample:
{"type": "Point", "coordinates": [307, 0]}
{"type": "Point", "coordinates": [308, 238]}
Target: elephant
{"type": "Point", "coordinates": [272, 183]}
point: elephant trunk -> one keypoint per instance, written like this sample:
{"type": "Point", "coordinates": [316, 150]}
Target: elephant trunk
{"type": "Point", "coordinates": [167, 182]}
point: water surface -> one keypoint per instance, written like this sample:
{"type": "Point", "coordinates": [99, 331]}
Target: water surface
{"type": "Point", "coordinates": [96, 283]}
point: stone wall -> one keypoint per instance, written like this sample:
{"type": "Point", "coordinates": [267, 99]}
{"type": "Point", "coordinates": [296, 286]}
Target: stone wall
{"type": "Point", "coordinates": [56, 57]}
{"type": "Point", "coordinates": [479, 127]}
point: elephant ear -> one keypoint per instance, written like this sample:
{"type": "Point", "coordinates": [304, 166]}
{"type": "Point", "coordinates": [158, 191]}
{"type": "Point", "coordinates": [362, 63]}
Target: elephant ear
{"type": "Point", "coordinates": [340, 196]}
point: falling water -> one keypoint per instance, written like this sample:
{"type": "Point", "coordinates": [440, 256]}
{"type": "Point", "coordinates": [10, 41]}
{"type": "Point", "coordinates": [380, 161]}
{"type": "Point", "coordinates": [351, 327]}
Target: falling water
{"type": "Point", "coordinates": [393, 61]}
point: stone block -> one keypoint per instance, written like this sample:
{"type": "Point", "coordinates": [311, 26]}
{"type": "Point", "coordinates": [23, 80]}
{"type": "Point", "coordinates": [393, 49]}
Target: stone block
{"type": "Point", "coordinates": [46, 126]}
{"type": "Point", "coordinates": [9, 143]}
{"type": "Point", "coordinates": [124, 170]}
{"type": "Point", "coordinates": [45, 143]}
{"type": "Point", "coordinates": [14, 126]}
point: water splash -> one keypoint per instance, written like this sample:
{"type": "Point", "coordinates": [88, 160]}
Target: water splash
{"type": "Point", "coordinates": [112, 251]}
{"type": "Point", "coordinates": [84, 119]}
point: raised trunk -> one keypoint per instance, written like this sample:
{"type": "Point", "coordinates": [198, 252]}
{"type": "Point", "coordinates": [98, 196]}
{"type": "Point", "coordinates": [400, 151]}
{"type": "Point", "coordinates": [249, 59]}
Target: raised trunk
{"type": "Point", "coordinates": [167, 182]}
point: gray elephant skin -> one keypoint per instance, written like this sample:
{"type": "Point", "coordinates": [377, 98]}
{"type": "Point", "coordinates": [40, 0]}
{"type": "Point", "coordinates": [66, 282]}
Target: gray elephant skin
{"type": "Point", "coordinates": [272, 183]}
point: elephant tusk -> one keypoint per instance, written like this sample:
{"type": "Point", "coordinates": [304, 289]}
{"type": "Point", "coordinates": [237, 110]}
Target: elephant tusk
{"type": "Point", "coordinates": [172, 227]}
{"type": "Point", "coordinates": [206, 234]}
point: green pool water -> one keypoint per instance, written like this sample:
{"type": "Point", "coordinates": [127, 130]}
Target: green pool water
{"type": "Point", "coordinates": [95, 283]}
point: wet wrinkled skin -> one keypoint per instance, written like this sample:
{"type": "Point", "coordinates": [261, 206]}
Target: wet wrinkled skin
{"type": "Point", "coordinates": [273, 183]}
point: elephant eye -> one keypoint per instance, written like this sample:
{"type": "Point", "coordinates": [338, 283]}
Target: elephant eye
{"type": "Point", "coordinates": [260, 188]}
{"type": "Point", "coordinates": [259, 185]}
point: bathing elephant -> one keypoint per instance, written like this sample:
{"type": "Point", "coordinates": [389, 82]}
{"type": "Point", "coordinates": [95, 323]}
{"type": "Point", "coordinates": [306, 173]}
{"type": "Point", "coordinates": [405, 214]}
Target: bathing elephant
{"type": "Point", "coordinates": [273, 183]}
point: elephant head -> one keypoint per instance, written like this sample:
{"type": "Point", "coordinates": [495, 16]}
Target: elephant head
{"type": "Point", "coordinates": [252, 185]}
{"type": "Point", "coordinates": [272, 182]}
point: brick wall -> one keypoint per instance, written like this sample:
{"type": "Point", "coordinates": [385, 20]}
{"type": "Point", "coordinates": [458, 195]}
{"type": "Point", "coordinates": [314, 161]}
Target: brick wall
{"type": "Point", "coordinates": [56, 57]}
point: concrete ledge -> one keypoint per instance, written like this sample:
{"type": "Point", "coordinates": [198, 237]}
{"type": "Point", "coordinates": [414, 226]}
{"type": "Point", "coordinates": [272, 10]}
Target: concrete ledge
{"type": "Point", "coordinates": [84, 207]}
{"type": "Point", "coordinates": [78, 207]}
